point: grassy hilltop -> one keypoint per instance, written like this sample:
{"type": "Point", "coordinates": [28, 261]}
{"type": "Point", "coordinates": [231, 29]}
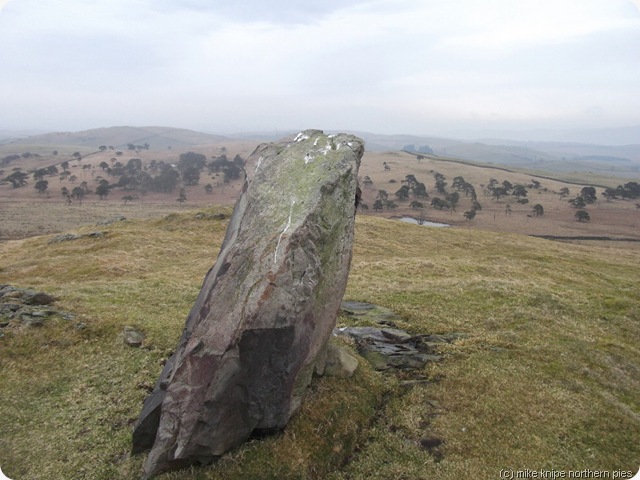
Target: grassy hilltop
{"type": "Point", "coordinates": [547, 376]}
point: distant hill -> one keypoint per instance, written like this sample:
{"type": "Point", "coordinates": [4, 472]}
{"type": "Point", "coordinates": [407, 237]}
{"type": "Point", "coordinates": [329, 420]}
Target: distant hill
{"type": "Point", "coordinates": [618, 160]}
{"type": "Point", "coordinates": [553, 157]}
{"type": "Point", "coordinates": [118, 137]}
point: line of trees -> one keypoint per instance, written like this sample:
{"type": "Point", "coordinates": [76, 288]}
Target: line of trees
{"type": "Point", "coordinates": [157, 176]}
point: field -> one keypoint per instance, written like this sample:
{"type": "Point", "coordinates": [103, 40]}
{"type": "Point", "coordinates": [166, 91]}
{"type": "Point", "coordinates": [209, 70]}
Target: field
{"type": "Point", "coordinates": [545, 377]}
{"type": "Point", "coordinates": [26, 212]}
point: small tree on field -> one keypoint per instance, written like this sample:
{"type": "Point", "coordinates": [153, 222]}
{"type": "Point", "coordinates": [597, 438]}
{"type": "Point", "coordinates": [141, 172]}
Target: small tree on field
{"type": "Point", "coordinates": [39, 174]}
{"type": "Point", "coordinates": [538, 210]}
{"type": "Point", "coordinates": [589, 194]}
{"type": "Point", "coordinates": [41, 186]}
{"type": "Point", "coordinates": [420, 190]}
{"type": "Point", "coordinates": [453, 199]}
{"type": "Point", "coordinates": [583, 216]}
{"type": "Point", "coordinates": [182, 197]}
{"type": "Point", "coordinates": [578, 202]}
{"type": "Point", "coordinates": [129, 198]}
{"type": "Point", "coordinates": [78, 193]}
{"type": "Point", "coordinates": [403, 193]}
{"type": "Point", "coordinates": [102, 190]}
{"type": "Point", "coordinates": [439, 203]}
{"type": "Point", "coordinates": [18, 179]}
{"type": "Point", "coordinates": [519, 191]}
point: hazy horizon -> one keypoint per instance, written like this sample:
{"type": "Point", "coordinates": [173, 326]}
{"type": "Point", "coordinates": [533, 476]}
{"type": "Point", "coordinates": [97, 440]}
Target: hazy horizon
{"type": "Point", "coordinates": [557, 70]}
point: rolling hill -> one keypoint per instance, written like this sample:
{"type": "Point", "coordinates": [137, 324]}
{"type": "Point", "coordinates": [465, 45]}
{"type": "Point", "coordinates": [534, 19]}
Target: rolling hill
{"type": "Point", "coordinates": [119, 137]}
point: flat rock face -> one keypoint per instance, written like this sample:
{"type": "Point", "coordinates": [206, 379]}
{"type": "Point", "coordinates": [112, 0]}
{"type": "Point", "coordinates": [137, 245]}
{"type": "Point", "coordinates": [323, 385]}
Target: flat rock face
{"type": "Point", "coordinates": [266, 309]}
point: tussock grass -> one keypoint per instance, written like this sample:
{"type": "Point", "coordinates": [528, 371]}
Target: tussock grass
{"type": "Point", "coordinates": [546, 377]}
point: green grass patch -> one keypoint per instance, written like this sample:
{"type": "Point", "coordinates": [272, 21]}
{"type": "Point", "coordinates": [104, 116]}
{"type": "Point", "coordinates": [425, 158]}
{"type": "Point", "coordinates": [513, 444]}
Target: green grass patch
{"type": "Point", "coordinates": [547, 375]}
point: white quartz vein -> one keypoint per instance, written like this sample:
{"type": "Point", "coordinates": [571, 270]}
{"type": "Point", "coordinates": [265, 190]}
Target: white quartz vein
{"type": "Point", "coordinates": [275, 254]}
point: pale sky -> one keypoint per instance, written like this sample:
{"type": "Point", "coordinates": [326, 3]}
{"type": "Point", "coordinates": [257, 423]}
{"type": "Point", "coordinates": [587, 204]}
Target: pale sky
{"type": "Point", "coordinates": [430, 67]}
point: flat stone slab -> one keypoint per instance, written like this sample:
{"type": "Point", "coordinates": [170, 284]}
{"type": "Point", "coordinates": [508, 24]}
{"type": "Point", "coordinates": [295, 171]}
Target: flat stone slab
{"type": "Point", "coordinates": [386, 347]}
{"type": "Point", "coordinates": [370, 312]}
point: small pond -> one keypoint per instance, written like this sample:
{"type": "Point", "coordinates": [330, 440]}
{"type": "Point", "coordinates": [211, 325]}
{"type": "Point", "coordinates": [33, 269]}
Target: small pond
{"type": "Point", "coordinates": [423, 223]}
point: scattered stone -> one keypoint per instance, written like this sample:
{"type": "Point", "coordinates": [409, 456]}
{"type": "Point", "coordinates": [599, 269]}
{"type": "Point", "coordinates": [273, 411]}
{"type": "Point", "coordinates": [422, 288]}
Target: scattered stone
{"type": "Point", "coordinates": [132, 337]}
{"type": "Point", "coordinates": [339, 362]}
{"type": "Point", "coordinates": [409, 384]}
{"type": "Point", "coordinates": [25, 296]}
{"type": "Point", "coordinates": [387, 348]}
{"type": "Point", "coordinates": [67, 237]}
{"type": "Point", "coordinates": [119, 218]}
{"type": "Point", "coordinates": [37, 298]}
{"type": "Point", "coordinates": [26, 307]}
{"type": "Point", "coordinates": [369, 312]}
{"type": "Point", "coordinates": [431, 442]}
{"type": "Point", "coordinates": [267, 307]}
{"type": "Point", "coordinates": [210, 216]}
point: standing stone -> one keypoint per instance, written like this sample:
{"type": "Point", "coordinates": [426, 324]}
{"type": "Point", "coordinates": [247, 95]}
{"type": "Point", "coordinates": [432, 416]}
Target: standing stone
{"type": "Point", "coordinates": [266, 309]}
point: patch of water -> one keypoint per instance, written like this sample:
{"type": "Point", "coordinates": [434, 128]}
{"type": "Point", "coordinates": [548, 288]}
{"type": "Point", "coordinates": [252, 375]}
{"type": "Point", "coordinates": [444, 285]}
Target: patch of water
{"type": "Point", "coordinates": [423, 223]}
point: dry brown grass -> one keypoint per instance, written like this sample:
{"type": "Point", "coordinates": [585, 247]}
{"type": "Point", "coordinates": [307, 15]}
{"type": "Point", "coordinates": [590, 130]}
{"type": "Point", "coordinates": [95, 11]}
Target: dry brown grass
{"type": "Point", "coordinates": [24, 212]}
{"type": "Point", "coordinates": [616, 218]}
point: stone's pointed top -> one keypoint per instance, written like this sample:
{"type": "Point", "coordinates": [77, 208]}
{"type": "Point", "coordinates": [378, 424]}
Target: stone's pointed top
{"type": "Point", "coordinates": [310, 148]}
{"type": "Point", "coordinates": [306, 135]}
{"type": "Point", "coordinates": [260, 325]}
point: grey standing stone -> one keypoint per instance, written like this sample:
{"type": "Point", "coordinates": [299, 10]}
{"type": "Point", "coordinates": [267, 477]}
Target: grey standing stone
{"type": "Point", "coordinates": [266, 309]}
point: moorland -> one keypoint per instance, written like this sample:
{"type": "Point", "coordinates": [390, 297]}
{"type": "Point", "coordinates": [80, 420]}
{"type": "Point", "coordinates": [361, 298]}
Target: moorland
{"type": "Point", "coordinates": [545, 376]}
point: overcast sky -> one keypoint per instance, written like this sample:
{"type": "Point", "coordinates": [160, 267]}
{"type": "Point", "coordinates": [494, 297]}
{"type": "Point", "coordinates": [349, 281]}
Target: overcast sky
{"type": "Point", "coordinates": [434, 67]}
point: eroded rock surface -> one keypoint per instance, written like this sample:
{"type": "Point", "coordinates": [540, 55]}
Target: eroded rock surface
{"type": "Point", "coordinates": [267, 308]}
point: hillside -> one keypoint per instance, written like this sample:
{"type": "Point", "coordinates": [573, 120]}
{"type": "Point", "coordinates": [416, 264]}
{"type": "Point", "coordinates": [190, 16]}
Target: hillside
{"type": "Point", "coordinates": [119, 137]}
{"type": "Point", "coordinates": [544, 376]}
{"type": "Point", "coordinates": [553, 157]}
